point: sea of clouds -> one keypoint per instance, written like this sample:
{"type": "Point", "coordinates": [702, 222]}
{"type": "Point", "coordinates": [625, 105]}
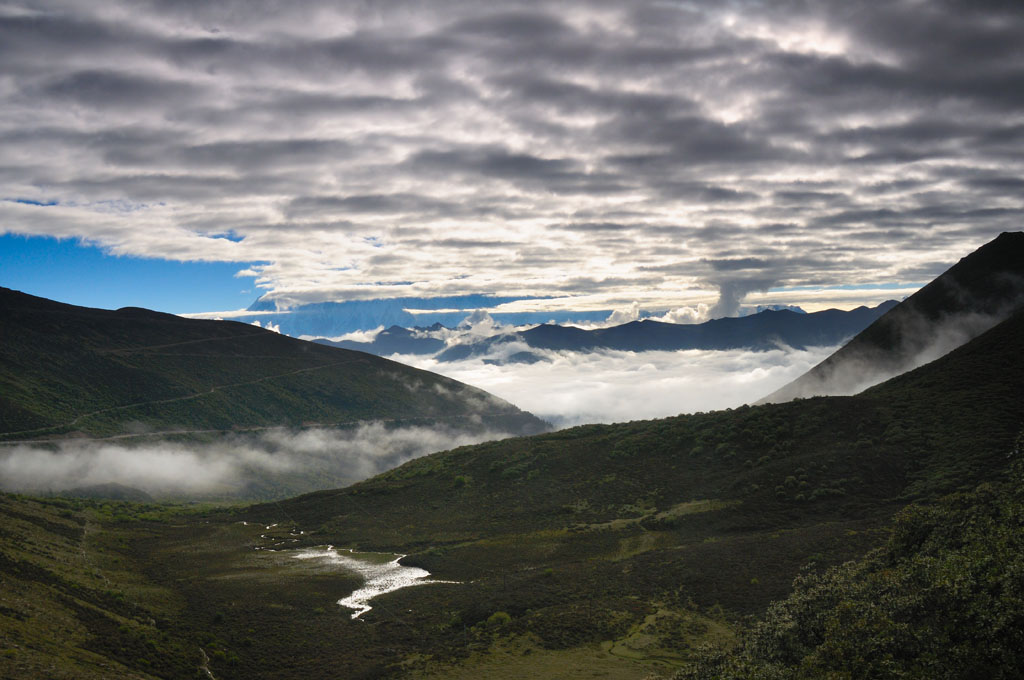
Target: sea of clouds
{"type": "Point", "coordinates": [571, 388]}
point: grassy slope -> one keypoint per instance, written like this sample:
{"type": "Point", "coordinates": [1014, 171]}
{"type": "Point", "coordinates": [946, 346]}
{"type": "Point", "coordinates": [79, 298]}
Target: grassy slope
{"type": "Point", "coordinates": [924, 433]}
{"type": "Point", "coordinates": [640, 540]}
{"type": "Point", "coordinates": [580, 535]}
{"type": "Point", "coordinates": [72, 605]}
{"type": "Point", "coordinates": [74, 369]}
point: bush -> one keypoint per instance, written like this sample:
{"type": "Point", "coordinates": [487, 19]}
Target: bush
{"type": "Point", "coordinates": [498, 619]}
{"type": "Point", "coordinates": [944, 598]}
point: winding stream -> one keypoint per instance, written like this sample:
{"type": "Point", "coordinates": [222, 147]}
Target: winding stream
{"type": "Point", "coordinates": [381, 571]}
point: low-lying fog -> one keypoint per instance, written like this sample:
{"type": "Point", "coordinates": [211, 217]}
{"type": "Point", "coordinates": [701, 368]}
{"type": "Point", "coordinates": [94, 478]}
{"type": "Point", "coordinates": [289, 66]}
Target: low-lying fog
{"type": "Point", "coordinates": [269, 464]}
{"type": "Point", "coordinates": [571, 388]}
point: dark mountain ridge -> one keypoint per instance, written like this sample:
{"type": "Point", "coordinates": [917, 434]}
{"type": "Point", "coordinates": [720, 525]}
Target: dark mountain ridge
{"type": "Point", "coordinates": [70, 369]}
{"type": "Point", "coordinates": [972, 296]}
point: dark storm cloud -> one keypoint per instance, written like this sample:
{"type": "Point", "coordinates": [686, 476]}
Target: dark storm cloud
{"type": "Point", "coordinates": [797, 197]}
{"type": "Point", "coordinates": [309, 105]}
{"type": "Point", "coordinates": [691, 140]}
{"type": "Point", "coordinates": [104, 88]}
{"type": "Point", "coordinates": [264, 152]}
{"type": "Point", "coordinates": [996, 185]}
{"type": "Point", "coordinates": [495, 162]}
{"type": "Point", "coordinates": [515, 27]}
{"type": "Point", "coordinates": [738, 263]}
{"type": "Point", "coordinates": [701, 193]}
{"type": "Point", "coordinates": [569, 97]}
{"type": "Point", "coordinates": [56, 33]}
{"type": "Point", "coordinates": [463, 243]}
{"type": "Point", "coordinates": [601, 149]}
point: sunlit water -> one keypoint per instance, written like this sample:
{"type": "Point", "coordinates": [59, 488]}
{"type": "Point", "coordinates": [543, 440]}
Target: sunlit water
{"type": "Point", "coordinates": [382, 574]}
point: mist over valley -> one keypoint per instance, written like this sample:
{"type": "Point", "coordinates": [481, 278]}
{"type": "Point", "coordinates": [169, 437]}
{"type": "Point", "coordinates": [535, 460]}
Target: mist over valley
{"type": "Point", "coordinates": [273, 463]}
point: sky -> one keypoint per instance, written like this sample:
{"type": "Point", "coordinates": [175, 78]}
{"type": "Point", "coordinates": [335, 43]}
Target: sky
{"type": "Point", "coordinates": [192, 156]}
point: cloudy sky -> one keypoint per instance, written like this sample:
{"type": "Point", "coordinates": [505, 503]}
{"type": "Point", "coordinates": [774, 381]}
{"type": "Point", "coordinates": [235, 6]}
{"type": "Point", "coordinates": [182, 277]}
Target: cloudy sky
{"type": "Point", "coordinates": [590, 153]}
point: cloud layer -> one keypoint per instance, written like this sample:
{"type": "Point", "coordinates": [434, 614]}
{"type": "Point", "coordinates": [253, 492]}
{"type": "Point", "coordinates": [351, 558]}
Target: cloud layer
{"type": "Point", "coordinates": [597, 150]}
{"type": "Point", "coordinates": [610, 386]}
{"type": "Point", "coordinates": [273, 463]}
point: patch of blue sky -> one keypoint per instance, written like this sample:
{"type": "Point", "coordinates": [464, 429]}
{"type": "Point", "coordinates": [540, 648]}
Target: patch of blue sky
{"type": "Point", "coordinates": [32, 201]}
{"type": "Point", "coordinates": [229, 236]}
{"type": "Point", "coordinates": [70, 271]}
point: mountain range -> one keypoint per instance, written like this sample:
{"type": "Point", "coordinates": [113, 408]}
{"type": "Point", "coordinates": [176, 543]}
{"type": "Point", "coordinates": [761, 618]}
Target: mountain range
{"type": "Point", "coordinates": [760, 331]}
{"type": "Point", "coordinates": [396, 340]}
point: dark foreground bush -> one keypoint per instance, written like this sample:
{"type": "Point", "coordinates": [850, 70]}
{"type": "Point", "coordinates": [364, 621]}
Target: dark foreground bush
{"type": "Point", "coordinates": [943, 599]}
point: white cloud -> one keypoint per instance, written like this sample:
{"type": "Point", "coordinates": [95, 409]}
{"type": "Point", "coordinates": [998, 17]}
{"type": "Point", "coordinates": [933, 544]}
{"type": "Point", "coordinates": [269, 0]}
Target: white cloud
{"type": "Point", "coordinates": [267, 325]}
{"type": "Point", "coordinates": [624, 315]}
{"type": "Point", "coordinates": [610, 386]}
{"type": "Point", "coordinates": [480, 324]}
{"type": "Point", "coordinates": [354, 336]}
{"type": "Point", "coordinates": [697, 314]}
{"type": "Point", "coordinates": [230, 314]}
{"type": "Point", "coordinates": [289, 460]}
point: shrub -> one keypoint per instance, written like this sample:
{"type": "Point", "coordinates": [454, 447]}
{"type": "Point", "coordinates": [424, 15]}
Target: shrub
{"type": "Point", "coordinates": [498, 619]}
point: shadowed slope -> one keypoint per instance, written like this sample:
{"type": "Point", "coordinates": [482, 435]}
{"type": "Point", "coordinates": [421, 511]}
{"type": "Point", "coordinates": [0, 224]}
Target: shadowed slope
{"type": "Point", "coordinates": [65, 368]}
{"type": "Point", "coordinates": [969, 298]}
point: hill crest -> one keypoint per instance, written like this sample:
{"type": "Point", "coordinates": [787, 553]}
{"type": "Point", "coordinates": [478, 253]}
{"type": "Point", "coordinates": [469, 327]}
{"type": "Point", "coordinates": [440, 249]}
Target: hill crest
{"type": "Point", "coordinates": [978, 292]}
{"type": "Point", "coordinates": [65, 368]}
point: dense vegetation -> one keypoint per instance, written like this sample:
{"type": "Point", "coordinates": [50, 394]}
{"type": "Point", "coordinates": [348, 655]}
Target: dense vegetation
{"type": "Point", "coordinates": [943, 598]}
{"type": "Point", "coordinates": [70, 369]}
{"type": "Point", "coordinates": [73, 606]}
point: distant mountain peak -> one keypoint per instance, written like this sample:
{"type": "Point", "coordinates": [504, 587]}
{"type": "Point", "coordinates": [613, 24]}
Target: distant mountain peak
{"type": "Point", "coordinates": [762, 331]}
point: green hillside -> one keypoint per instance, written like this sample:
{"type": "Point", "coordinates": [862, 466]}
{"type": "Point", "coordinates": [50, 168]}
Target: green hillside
{"type": "Point", "coordinates": [604, 550]}
{"type": "Point", "coordinates": [582, 536]}
{"type": "Point", "coordinates": [67, 369]}
{"type": "Point", "coordinates": [936, 429]}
